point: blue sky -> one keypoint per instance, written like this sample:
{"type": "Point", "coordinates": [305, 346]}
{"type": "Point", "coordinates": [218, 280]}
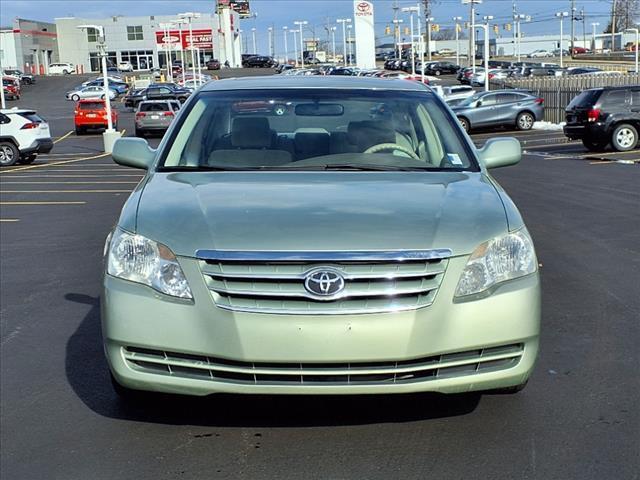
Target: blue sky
{"type": "Point", "coordinates": [278, 13]}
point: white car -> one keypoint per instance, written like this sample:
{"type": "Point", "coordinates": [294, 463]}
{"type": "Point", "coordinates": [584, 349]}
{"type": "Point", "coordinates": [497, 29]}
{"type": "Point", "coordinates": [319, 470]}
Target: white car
{"type": "Point", "coordinates": [23, 134]}
{"type": "Point", "coordinates": [61, 68]}
{"type": "Point", "coordinates": [125, 67]}
{"type": "Point", "coordinates": [89, 92]}
{"type": "Point", "coordinates": [540, 54]}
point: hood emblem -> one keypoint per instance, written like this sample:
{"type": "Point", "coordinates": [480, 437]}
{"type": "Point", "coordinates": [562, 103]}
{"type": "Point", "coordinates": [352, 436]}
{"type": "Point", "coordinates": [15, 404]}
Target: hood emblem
{"type": "Point", "coordinates": [324, 283]}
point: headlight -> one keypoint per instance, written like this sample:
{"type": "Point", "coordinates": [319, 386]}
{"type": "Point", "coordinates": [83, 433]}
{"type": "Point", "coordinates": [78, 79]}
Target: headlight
{"type": "Point", "coordinates": [138, 259]}
{"type": "Point", "coordinates": [496, 261]}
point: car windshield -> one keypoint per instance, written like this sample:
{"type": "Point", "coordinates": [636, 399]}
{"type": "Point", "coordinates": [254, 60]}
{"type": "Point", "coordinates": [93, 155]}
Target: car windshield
{"type": "Point", "coordinates": [92, 106]}
{"type": "Point", "coordinates": [317, 129]}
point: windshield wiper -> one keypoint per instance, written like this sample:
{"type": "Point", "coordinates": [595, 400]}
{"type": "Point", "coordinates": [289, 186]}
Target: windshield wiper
{"type": "Point", "coordinates": [362, 167]}
{"type": "Point", "coordinates": [206, 168]}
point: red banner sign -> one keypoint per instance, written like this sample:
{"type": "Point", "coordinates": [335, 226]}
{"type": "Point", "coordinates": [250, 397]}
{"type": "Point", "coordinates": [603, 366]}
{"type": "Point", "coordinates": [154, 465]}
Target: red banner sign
{"type": "Point", "coordinates": [202, 38]}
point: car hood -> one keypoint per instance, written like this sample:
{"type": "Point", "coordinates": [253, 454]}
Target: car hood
{"type": "Point", "coordinates": [319, 211]}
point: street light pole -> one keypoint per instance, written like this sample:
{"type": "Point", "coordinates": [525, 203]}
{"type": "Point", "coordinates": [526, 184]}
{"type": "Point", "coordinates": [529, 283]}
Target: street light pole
{"type": "Point", "coordinates": [333, 43]}
{"type": "Point", "coordinates": [593, 26]}
{"type": "Point", "coordinates": [350, 44]}
{"type": "Point", "coordinates": [300, 24]}
{"type": "Point", "coordinates": [344, 22]}
{"type": "Point", "coordinates": [270, 33]}
{"type": "Point", "coordinates": [253, 37]}
{"type": "Point", "coordinates": [286, 48]}
{"type": "Point", "coordinates": [486, 19]}
{"type": "Point", "coordinates": [189, 16]}
{"type": "Point", "coordinates": [295, 45]}
{"type": "Point", "coordinates": [110, 135]}
{"type": "Point", "coordinates": [457, 27]}
{"type": "Point", "coordinates": [411, 11]}
{"type": "Point", "coordinates": [429, 21]}
{"type": "Point", "coordinates": [561, 16]}
{"type": "Point", "coordinates": [636, 46]}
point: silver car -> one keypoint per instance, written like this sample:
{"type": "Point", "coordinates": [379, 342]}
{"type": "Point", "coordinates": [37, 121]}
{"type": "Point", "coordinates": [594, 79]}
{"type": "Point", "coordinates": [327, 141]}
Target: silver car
{"type": "Point", "coordinates": [89, 92]}
{"type": "Point", "coordinates": [500, 108]}
{"type": "Point", "coordinates": [155, 116]}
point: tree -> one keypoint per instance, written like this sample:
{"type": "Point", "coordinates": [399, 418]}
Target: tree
{"type": "Point", "coordinates": [626, 12]}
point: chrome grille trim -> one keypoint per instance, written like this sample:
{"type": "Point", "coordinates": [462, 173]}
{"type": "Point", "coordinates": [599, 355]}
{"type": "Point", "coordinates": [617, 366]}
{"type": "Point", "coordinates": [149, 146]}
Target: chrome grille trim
{"type": "Point", "coordinates": [274, 282]}
{"type": "Point", "coordinates": [401, 371]}
{"type": "Point", "coordinates": [320, 256]}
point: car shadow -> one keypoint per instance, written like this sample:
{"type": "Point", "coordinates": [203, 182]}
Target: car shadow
{"type": "Point", "coordinates": [88, 375]}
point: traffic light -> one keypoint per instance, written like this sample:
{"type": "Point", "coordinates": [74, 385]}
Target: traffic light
{"type": "Point", "coordinates": [496, 29]}
{"type": "Point", "coordinates": [406, 31]}
{"type": "Point", "coordinates": [458, 27]}
{"type": "Point", "coordinates": [387, 30]}
{"type": "Point", "coordinates": [507, 27]}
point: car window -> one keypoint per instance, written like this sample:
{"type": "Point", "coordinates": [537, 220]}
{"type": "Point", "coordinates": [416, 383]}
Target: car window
{"type": "Point", "coordinates": [4, 119]}
{"type": "Point", "coordinates": [488, 100]}
{"type": "Point", "coordinates": [635, 98]}
{"type": "Point", "coordinates": [297, 128]}
{"type": "Point", "coordinates": [32, 117]}
{"type": "Point", "coordinates": [154, 107]}
{"type": "Point", "coordinates": [585, 99]}
{"type": "Point", "coordinates": [92, 106]}
{"type": "Point", "coordinates": [616, 98]}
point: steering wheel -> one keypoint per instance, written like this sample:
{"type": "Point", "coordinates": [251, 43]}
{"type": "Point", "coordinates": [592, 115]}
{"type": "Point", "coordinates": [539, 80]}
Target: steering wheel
{"type": "Point", "coordinates": [381, 147]}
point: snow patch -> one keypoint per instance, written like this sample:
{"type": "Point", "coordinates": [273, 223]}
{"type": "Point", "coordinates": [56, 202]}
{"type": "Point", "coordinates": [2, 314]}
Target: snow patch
{"type": "Point", "coordinates": [548, 126]}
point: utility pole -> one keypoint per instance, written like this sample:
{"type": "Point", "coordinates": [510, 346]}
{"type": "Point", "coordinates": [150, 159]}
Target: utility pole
{"type": "Point", "coordinates": [515, 15]}
{"type": "Point", "coordinates": [614, 8]}
{"type": "Point", "coordinates": [573, 17]}
{"type": "Point", "coordinates": [584, 26]}
{"type": "Point", "coordinates": [428, 20]}
{"type": "Point", "coordinates": [472, 32]}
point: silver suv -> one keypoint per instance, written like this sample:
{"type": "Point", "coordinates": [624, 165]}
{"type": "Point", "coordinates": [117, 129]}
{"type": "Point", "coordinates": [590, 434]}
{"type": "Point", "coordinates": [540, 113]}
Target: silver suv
{"type": "Point", "coordinates": [155, 116]}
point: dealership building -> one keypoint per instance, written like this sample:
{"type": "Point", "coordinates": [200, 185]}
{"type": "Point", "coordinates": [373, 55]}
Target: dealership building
{"type": "Point", "coordinates": [149, 41]}
{"type": "Point", "coordinates": [28, 45]}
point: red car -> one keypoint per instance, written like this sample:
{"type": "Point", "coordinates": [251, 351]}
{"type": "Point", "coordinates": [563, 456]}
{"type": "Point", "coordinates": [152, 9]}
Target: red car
{"type": "Point", "coordinates": [93, 114]}
{"type": "Point", "coordinates": [580, 50]}
{"type": "Point", "coordinates": [11, 88]}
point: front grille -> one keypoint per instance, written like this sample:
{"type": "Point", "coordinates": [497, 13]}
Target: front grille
{"type": "Point", "coordinates": [435, 367]}
{"type": "Point", "coordinates": [274, 282]}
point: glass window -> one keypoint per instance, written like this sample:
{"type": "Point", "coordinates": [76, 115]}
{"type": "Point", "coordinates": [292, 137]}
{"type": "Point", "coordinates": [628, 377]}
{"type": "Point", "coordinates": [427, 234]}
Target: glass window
{"type": "Point", "coordinates": [318, 130]}
{"type": "Point", "coordinates": [635, 98]}
{"type": "Point", "coordinates": [134, 32]}
{"type": "Point", "coordinates": [616, 98]}
{"type": "Point", "coordinates": [506, 97]}
{"type": "Point", "coordinates": [92, 35]}
{"type": "Point", "coordinates": [154, 107]}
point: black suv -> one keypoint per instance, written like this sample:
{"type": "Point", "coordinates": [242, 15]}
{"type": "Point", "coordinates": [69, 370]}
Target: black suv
{"type": "Point", "coordinates": [604, 115]}
{"type": "Point", "coordinates": [156, 91]}
{"type": "Point", "coordinates": [259, 61]}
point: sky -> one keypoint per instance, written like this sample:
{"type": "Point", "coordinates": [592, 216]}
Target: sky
{"type": "Point", "coordinates": [318, 13]}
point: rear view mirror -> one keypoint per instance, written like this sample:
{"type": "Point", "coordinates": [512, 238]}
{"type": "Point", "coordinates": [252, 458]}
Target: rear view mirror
{"type": "Point", "coordinates": [319, 109]}
{"type": "Point", "coordinates": [133, 152]}
{"type": "Point", "coordinates": [500, 152]}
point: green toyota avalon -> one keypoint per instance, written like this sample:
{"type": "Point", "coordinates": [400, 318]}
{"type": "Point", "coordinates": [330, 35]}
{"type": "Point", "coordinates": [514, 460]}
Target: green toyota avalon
{"type": "Point", "coordinates": [318, 235]}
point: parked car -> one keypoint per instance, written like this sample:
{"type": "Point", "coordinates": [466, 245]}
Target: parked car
{"type": "Point", "coordinates": [446, 52]}
{"type": "Point", "coordinates": [456, 93]}
{"type": "Point", "coordinates": [213, 64]}
{"type": "Point", "coordinates": [92, 114]}
{"type": "Point", "coordinates": [118, 87]}
{"type": "Point", "coordinates": [582, 70]}
{"type": "Point", "coordinates": [540, 54]}
{"type": "Point", "coordinates": [507, 108]}
{"type": "Point", "coordinates": [580, 50]}
{"type": "Point", "coordinates": [125, 67]}
{"type": "Point", "coordinates": [229, 264]}
{"type": "Point", "coordinates": [94, 91]}
{"type": "Point", "coordinates": [438, 68]}
{"type": "Point", "coordinates": [23, 135]}
{"type": "Point", "coordinates": [25, 78]}
{"type": "Point", "coordinates": [61, 68]}
{"type": "Point", "coordinates": [11, 87]}
{"type": "Point", "coordinates": [343, 71]}
{"type": "Point", "coordinates": [259, 61]}
{"type": "Point", "coordinates": [605, 115]}
{"type": "Point", "coordinates": [392, 64]}
{"type": "Point", "coordinates": [155, 116]}
{"type": "Point", "coordinates": [283, 67]}
{"type": "Point", "coordinates": [156, 91]}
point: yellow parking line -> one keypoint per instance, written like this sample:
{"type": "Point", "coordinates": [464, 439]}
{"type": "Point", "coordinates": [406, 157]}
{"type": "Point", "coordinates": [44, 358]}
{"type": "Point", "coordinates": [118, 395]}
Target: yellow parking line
{"type": "Point", "coordinates": [124, 130]}
{"type": "Point", "coordinates": [64, 191]}
{"type": "Point", "coordinates": [65, 183]}
{"type": "Point", "coordinates": [63, 137]}
{"type": "Point", "coordinates": [42, 203]}
{"type": "Point", "coordinates": [29, 167]}
{"type": "Point", "coordinates": [9, 219]}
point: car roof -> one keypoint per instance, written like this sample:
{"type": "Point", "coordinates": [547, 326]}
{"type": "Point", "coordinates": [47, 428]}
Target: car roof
{"type": "Point", "coordinates": [159, 101]}
{"type": "Point", "coordinates": [16, 110]}
{"type": "Point", "coordinates": [312, 82]}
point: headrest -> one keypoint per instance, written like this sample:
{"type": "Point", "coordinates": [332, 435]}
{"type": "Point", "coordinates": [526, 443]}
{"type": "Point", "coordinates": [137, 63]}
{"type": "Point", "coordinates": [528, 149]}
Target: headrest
{"type": "Point", "coordinates": [312, 141]}
{"type": "Point", "coordinates": [251, 132]}
{"type": "Point", "coordinates": [367, 133]}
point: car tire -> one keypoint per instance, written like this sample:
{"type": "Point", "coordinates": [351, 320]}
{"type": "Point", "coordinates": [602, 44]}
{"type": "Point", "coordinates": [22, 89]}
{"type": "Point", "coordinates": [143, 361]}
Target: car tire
{"type": "Point", "coordinates": [624, 137]}
{"type": "Point", "coordinates": [28, 159]}
{"type": "Point", "coordinates": [102, 97]}
{"type": "Point", "coordinates": [139, 133]}
{"type": "Point", "coordinates": [594, 146]}
{"type": "Point", "coordinates": [65, 72]}
{"type": "Point", "coordinates": [9, 154]}
{"type": "Point", "coordinates": [80, 131]}
{"type": "Point", "coordinates": [465, 124]}
{"type": "Point", "coordinates": [75, 98]}
{"type": "Point", "coordinates": [525, 121]}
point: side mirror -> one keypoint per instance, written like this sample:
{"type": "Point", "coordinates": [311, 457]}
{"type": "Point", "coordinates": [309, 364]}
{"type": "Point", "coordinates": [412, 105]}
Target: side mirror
{"type": "Point", "coordinates": [133, 152]}
{"type": "Point", "coordinates": [500, 152]}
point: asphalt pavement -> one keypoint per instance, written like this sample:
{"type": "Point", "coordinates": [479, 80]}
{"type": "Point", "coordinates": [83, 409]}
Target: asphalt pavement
{"type": "Point", "coordinates": [577, 419]}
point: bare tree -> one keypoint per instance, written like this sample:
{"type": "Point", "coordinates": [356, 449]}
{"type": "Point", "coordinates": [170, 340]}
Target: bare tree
{"type": "Point", "coordinates": [626, 14]}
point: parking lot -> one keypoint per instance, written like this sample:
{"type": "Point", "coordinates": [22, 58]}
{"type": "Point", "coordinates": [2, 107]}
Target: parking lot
{"type": "Point", "coordinates": [577, 419]}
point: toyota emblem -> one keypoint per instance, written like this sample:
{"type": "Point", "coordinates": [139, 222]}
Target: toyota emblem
{"type": "Point", "coordinates": [364, 7]}
{"type": "Point", "coordinates": [324, 283]}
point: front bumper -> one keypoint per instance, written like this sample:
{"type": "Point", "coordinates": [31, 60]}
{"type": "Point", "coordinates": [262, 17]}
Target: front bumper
{"type": "Point", "coordinates": [195, 335]}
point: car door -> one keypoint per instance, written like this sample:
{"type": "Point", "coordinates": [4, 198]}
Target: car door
{"type": "Point", "coordinates": [506, 108]}
{"type": "Point", "coordinates": [635, 103]}
{"type": "Point", "coordinates": [484, 112]}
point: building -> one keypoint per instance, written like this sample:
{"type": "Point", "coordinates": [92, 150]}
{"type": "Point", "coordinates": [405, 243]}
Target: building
{"type": "Point", "coordinates": [28, 45]}
{"type": "Point", "coordinates": [148, 42]}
